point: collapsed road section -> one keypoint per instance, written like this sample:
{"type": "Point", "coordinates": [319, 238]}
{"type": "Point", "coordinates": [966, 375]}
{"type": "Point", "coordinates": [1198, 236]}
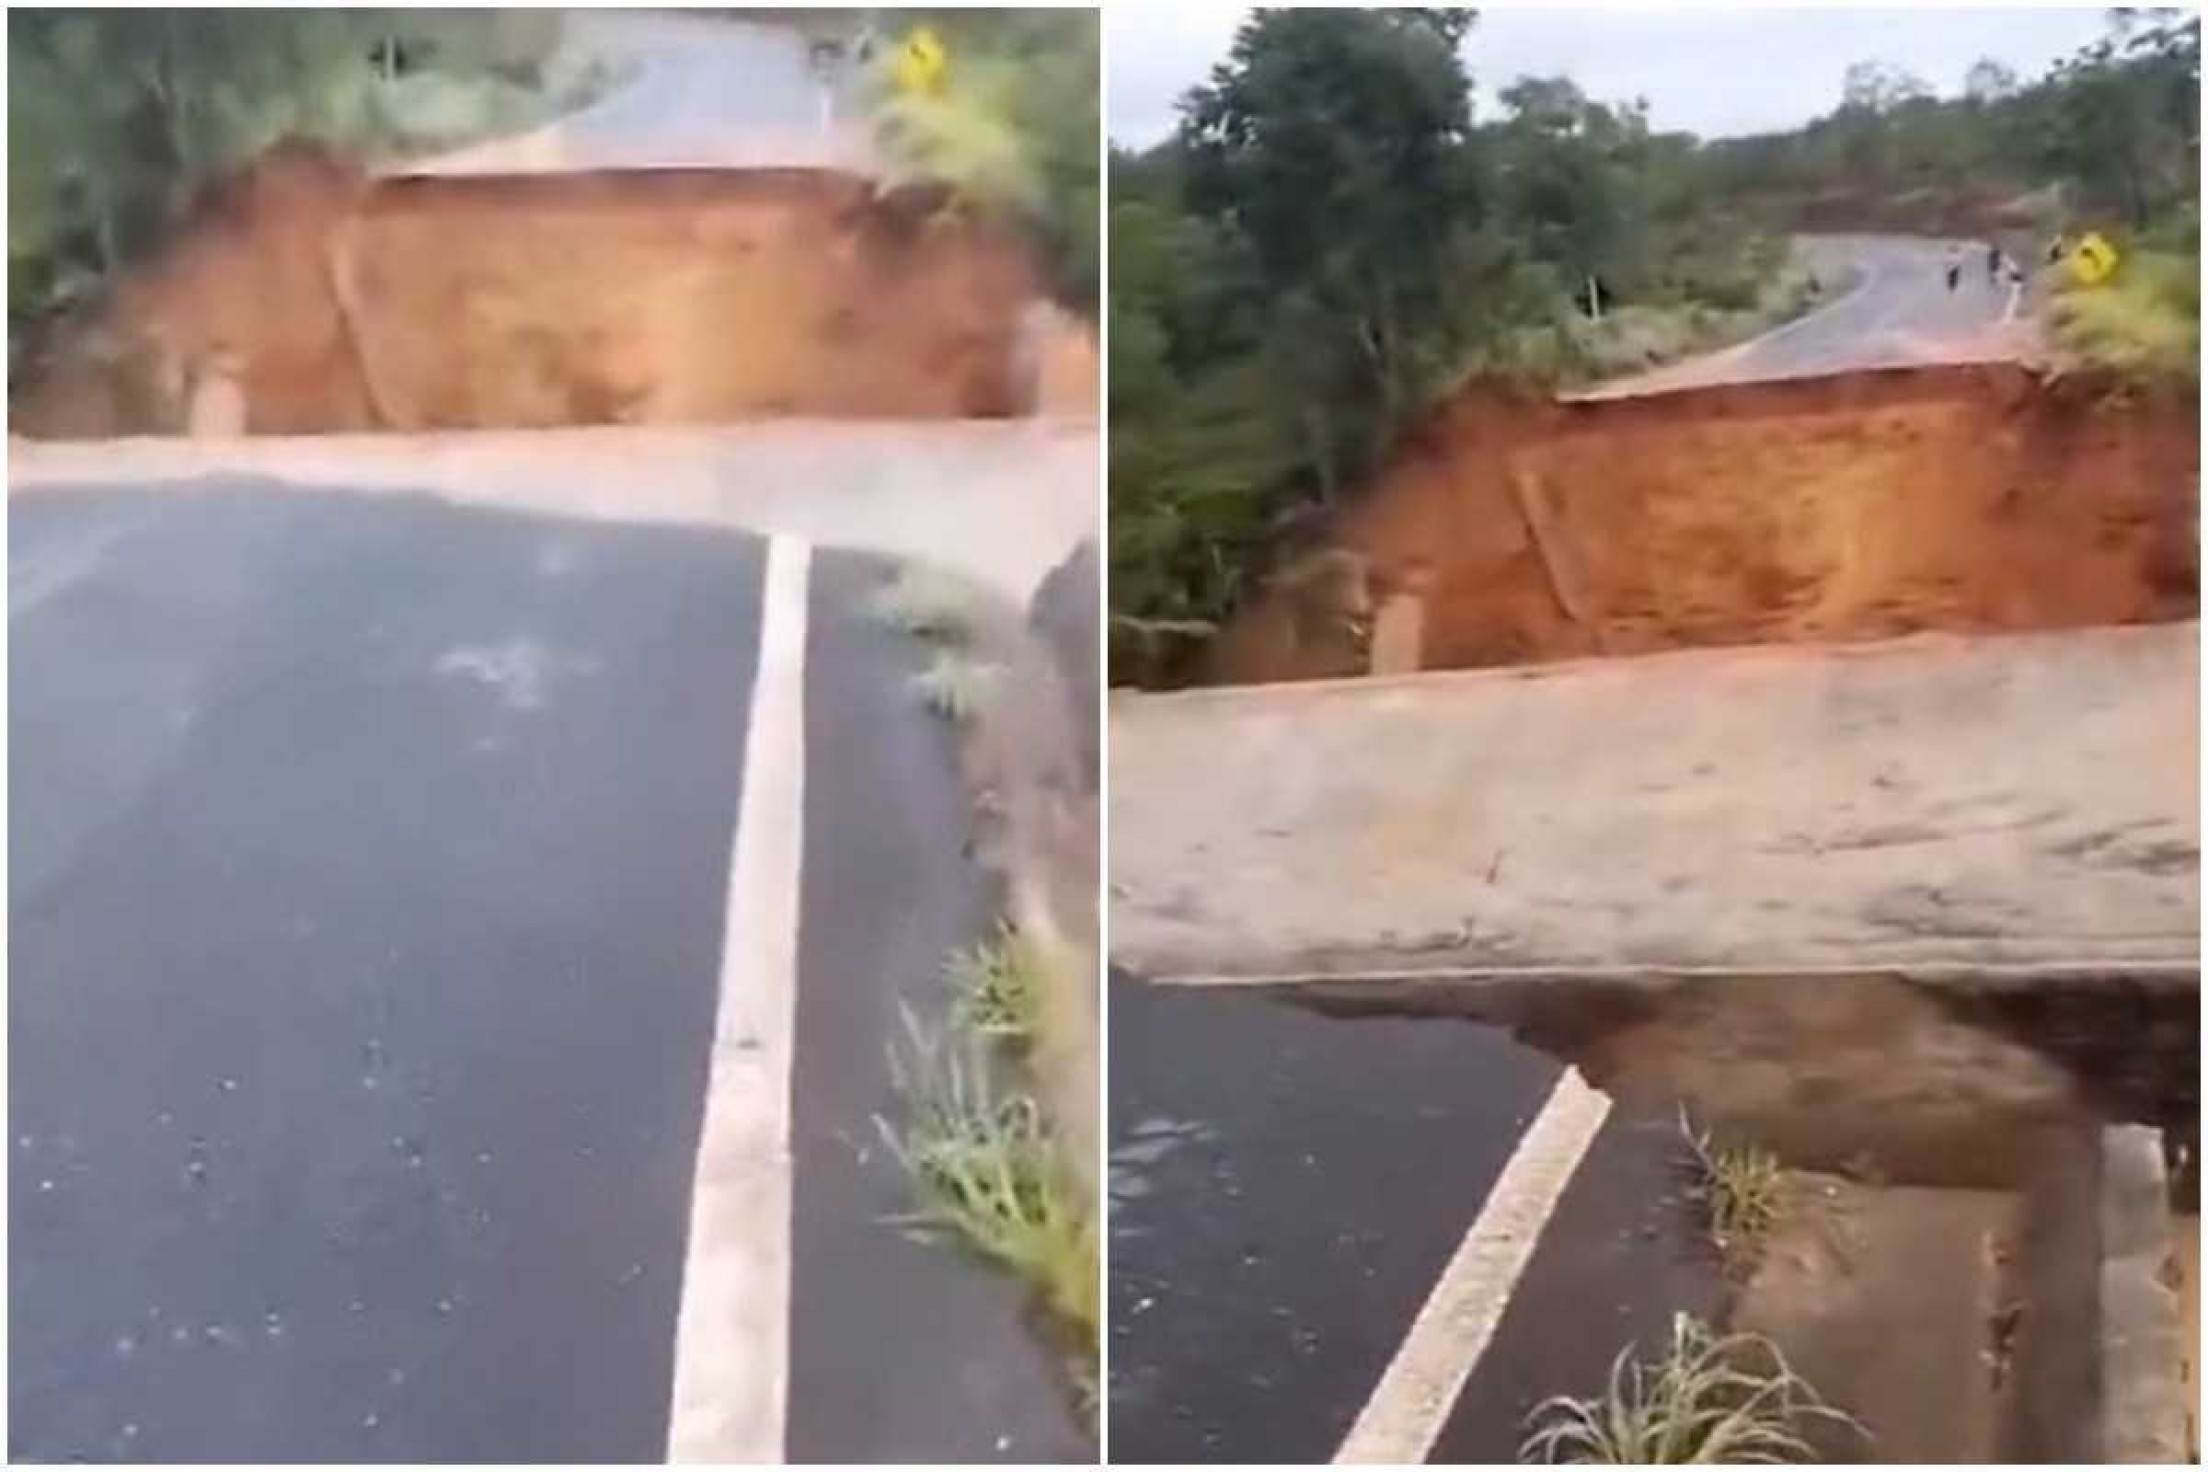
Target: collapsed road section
{"type": "Point", "coordinates": [1732, 853]}
{"type": "Point", "coordinates": [1675, 865]}
{"type": "Point", "coordinates": [557, 611]}
{"type": "Point", "coordinates": [1972, 498]}
{"type": "Point", "coordinates": [309, 298]}
{"type": "Point", "coordinates": [1826, 902]}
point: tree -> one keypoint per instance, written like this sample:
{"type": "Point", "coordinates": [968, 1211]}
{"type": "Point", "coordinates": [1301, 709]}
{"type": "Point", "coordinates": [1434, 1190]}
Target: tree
{"type": "Point", "coordinates": [1573, 171]}
{"type": "Point", "coordinates": [1334, 143]}
{"type": "Point", "coordinates": [1878, 88]}
{"type": "Point", "coordinates": [2122, 117]}
{"type": "Point", "coordinates": [1988, 81]}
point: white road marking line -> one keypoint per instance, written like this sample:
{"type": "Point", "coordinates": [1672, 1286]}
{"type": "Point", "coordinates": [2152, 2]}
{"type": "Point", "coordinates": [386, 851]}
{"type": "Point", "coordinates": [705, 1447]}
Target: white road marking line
{"type": "Point", "coordinates": [731, 1382]}
{"type": "Point", "coordinates": [1410, 1405]}
{"type": "Point", "coordinates": [2016, 291]}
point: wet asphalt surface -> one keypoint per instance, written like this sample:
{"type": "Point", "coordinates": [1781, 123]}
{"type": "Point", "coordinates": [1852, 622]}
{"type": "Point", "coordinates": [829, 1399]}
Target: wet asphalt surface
{"type": "Point", "coordinates": [369, 862]}
{"type": "Point", "coordinates": [1286, 1189]}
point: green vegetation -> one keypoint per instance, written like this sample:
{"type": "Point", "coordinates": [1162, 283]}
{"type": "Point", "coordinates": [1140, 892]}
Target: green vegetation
{"type": "Point", "coordinates": [930, 604]}
{"type": "Point", "coordinates": [1740, 1189]}
{"type": "Point", "coordinates": [2110, 135]}
{"type": "Point", "coordinates": [119, 118]}
{"type": "Point", "coordinates": [987, 1168]}
{"type": "Point", "coordinates": [1332, 243]}
{"type": "Point", "coordinates": [946, 613]}
{"type": "Point", "coordinates": [996, 988]}
{"type": "Point", "coordinates": [1708, 1399]}
{"type": "Point", "coordinates": [956, 685]}
{"type": "Point", "coordinates": [989, 1172]}
{"type": "Point", "coordinates": [1013, 128]}
{"type": "Point", "coordinates": [2142, 326]}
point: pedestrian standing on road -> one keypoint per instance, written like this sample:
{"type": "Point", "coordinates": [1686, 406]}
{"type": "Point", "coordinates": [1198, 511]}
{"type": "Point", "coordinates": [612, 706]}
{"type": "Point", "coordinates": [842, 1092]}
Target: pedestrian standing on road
{"type": "Point", "coordinates": [1954, 266]}
{"type": "Point", "coordinates": [1993, 265]}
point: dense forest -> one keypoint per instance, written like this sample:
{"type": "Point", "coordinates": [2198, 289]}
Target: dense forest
{"type": "Point", "coordinates": [1331, 242]}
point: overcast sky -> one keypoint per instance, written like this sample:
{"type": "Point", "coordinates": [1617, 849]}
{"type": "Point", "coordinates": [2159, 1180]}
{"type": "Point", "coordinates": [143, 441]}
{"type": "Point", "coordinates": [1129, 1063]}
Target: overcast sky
{"type": "Point", "coordinates": [1716, 72]}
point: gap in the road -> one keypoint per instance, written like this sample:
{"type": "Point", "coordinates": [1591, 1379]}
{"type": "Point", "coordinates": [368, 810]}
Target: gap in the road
{"type": "Point", "coordinates": [1937, 1148]}
{"type": "Point", "coordinates": [1514, 530]}
{"type": "Point", "coordinates": [309, 297]}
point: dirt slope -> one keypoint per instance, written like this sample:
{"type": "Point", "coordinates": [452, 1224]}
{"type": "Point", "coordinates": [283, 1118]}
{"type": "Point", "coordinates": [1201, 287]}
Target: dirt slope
{"type": "Point", "coordinates": [338, 303]}
{"type": "Point", "coordinates": [1857, 507]}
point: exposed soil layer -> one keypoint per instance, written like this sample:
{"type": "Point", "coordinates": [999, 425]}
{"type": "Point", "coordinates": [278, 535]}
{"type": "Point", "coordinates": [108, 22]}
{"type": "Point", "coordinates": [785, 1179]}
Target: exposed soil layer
{"type": "Point", "coordinates": [1867, 506]}
{"type": "Point", "coordinates": [327, 302]}
{"type": "Point", "coordinates": [1890, 1301]}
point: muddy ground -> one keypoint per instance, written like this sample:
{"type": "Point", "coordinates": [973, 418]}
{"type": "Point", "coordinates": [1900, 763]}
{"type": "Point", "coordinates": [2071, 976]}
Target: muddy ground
{"type": "Point", "coordinates": [1860, 507]}
{"type": "Point", "coordinates": [308, 298]}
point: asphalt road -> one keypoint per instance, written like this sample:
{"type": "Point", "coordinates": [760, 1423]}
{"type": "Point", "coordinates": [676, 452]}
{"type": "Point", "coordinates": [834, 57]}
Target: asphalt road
{"type": "Point", "coordinates": [1001, 501]}
{"type": "Point", "coordinates": [697, 91]}
{"type": "Point", "coordinates": [1898, 313]}
{"type": "Point", "coordinates": [696, 71]}
{"type": "Point", "coordinates": [1269, 1256]}
{"type": "Point", "coordinates": [370, 864]}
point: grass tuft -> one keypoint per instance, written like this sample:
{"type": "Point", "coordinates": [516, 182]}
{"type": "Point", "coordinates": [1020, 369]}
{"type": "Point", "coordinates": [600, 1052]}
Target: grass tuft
{"type": "Point", "coordinates": [996, 987]}
{"type": "Point", "coordinates": [929, 604]}
{"type": "Point", "coordinates": [1740, 1188]}
{"type": "Point", "coordinates": [987, 1170]}
{"type": "Point", "coordinates": [955, 685]}
{"type": "Point", "coordinates": [1708, 1399]}
{"type": "Point", "coordinates": [2143, 325]}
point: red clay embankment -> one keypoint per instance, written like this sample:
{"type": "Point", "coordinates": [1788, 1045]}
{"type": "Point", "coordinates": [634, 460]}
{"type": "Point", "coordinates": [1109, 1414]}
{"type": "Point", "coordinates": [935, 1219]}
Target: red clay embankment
{"type": "Point", "coordinates": [334, 302]}
{"type": "Point", "coordinates": [1973, 499]}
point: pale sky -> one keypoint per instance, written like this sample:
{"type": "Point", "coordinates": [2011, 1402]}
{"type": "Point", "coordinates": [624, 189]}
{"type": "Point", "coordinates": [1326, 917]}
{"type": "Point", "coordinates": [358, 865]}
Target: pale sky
{"type": "Point", "coordinates": [1718, 72]}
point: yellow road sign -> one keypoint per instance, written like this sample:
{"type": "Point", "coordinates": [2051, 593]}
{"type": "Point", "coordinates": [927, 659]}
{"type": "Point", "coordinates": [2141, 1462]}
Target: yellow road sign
{"type": "Point", "coordinates": [921, 62]}
{"type": "Point", "coordinates": [2093, 260]}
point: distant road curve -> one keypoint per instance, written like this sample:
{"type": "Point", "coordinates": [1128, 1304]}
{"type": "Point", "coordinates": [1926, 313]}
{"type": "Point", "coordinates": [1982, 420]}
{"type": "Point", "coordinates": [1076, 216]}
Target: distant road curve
{"type": "Point", "coordinates": [702, 92]}
{"type": "Point", "coordinates": [1899, 313]}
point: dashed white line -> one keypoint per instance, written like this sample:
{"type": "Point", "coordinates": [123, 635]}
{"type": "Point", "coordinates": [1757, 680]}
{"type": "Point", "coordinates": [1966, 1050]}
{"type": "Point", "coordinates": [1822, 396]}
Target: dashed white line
{"type": "Point", "coordinates": [1407, 1409]}
{"type": "Point", "coordinates": [731, 1380]}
